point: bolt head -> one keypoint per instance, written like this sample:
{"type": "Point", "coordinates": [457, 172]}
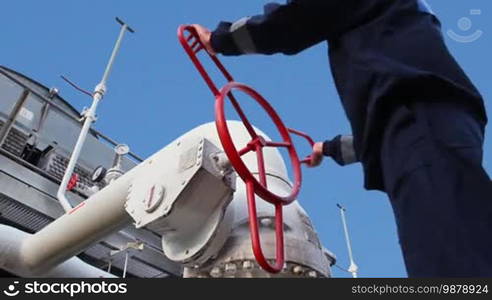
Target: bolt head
{"type": "Point", "coordinates": [230, 268]}
{"type": "Point", "coordinates": [297, 270]}
{"type": "Point", "coordinates": [247, 265]}
{"type": "Point", "coordinates": [312, 274]}
{"type": "Point", "coordinates": [216, 272]}
{"type": "Point", "coordinates": [267, 222]}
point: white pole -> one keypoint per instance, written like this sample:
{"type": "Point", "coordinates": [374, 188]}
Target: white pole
{"type": "Point", "coordinates": [90, 117]}
{"type": "Point", "coordinates": [126, 264]}
{"type": "Point", "coordinates": [353, 268]}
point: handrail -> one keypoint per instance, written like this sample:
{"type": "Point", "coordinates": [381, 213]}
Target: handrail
{"type": "Point", "coordinates": [65, 113]}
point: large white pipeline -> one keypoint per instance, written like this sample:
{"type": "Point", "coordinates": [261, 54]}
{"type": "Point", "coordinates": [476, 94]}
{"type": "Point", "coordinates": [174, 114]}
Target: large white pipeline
{"type": "Point", "coordinates": [92, 220]}
{"type": "Point", "coordinates": [104, 212]}
{"type": "Point", "coordinates": [11, 240]}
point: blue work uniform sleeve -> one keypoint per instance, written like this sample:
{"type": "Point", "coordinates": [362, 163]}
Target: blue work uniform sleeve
{"type": "Point", "coordinates": [341, 150]}
{"type": "Point", "coordinates": [294, 26]}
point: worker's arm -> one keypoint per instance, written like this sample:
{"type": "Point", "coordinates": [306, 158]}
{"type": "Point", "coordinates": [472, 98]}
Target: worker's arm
{"type": "Point", "coordinates": [340, 149]}
{"type": "Point", "coordinates": [294, 26]}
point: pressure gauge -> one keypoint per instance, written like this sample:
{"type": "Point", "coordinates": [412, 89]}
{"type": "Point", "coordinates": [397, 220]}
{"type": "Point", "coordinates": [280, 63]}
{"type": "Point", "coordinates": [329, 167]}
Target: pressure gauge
{"type": "Point", "coordinates": [98, 174]}
{"type": "Point", "coordinates": [122, 149]}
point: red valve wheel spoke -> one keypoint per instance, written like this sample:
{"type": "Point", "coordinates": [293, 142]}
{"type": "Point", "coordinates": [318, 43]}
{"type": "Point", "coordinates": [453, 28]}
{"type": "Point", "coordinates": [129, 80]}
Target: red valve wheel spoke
{"type": "Point", "coordinates": [277, 144]}
{"type": "Point", "coordinates": [243, 117]}
{"type": "Point", "coordinates": [245, 150]}
{"type": "Point", "coordinates": [261, 165]}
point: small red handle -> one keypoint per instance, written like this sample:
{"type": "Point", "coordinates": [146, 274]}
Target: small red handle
{"type": "Point", "coordinates": [192, 45]}
{"type": "Point", "coordinates": [307, 159]}
{"type": "Point", "coordinates": [72, 183]}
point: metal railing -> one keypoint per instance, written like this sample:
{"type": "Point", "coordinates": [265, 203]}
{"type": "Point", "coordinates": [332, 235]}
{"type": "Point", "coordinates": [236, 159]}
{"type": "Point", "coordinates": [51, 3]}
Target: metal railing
{"type": "Point", "coordinates": [63, 111]}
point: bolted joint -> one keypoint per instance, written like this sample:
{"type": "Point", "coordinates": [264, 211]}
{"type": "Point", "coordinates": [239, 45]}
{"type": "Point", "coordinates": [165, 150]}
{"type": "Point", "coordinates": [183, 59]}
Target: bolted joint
{"type": "Point", "coordinates": [88, 114]}
{"type": "Point", "coordinates": [100, 90]}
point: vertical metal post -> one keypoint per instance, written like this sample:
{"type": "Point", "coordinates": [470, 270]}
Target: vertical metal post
{"type": "Point", "coordinates": [126, 264]}
{"type": "Point", "coordinates": [12, 116]}
{"type": "Point", "coordinates": [116, 48]}
{"type": "Point", "coordinates": [110, 264]}
{"type": "Point", "coordinates": [90, 117]}
{"type": "Point", "coordinates": [353, 267]}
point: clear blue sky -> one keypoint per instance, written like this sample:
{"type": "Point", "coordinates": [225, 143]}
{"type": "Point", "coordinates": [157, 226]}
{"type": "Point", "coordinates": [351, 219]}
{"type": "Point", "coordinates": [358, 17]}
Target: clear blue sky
{"type": "Point", "coordinates": [155, 94]}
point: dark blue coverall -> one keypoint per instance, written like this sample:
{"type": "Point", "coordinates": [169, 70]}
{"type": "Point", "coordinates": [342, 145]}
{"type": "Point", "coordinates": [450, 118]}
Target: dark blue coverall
{"type": "Point", "coordinates": [417, 120]}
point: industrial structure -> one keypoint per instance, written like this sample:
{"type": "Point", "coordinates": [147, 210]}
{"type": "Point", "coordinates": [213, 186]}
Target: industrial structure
{"type": "Point", "coordinates": [193, 209]}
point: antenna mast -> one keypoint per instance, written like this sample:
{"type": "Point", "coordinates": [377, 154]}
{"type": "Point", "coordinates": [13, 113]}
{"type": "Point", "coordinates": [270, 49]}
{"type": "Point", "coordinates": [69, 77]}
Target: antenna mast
{"type": "Point", "coordinates": [353, 268]}
{"type": "Point", "coordinates": [90, 117]}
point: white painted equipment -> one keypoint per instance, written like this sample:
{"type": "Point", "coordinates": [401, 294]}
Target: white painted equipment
{"type": "Point", "coordinates": [184, 193]}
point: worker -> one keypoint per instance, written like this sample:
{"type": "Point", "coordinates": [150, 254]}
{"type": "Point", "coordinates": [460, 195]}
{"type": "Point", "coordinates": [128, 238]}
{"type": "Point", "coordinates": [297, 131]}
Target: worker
{"type": "Point", "coordinates": [417, 120]}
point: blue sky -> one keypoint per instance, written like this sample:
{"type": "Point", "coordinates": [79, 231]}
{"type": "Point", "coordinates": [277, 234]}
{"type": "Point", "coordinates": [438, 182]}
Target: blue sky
{"type": "Point", "coordinates": [155, 95]}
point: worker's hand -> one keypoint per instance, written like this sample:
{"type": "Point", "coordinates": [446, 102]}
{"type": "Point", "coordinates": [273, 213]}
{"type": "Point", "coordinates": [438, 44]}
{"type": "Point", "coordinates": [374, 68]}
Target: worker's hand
{"type": "Point", "coordinates": [317, 155]}
{"type": "Point", "coordinates": [205, 36]}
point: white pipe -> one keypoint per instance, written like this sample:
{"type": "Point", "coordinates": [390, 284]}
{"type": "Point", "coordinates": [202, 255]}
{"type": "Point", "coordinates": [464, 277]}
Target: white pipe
{"type": "Point", "coordinates": [11, 240]}
{"type": "Point", "coordinates": [126, 264]}
{"type": "Point", "coordinates": [100, 215]}
{"type": "Point", "coordinates": [116, 48]}
{"type": "Point", "coordinates": [90, 117]}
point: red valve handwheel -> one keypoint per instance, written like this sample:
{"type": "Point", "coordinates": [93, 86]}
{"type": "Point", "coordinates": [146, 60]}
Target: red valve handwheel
{"type": "Point", "coordinates": [253, 186]}
{"type": "Point", "coordinates": [256, 144]}
{"type": "Point", "coordinates": [191, 43]}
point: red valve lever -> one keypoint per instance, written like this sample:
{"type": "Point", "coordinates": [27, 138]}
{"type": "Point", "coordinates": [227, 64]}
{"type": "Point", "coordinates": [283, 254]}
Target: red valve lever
{"type": "Point", "coordinates": [192, 44]}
